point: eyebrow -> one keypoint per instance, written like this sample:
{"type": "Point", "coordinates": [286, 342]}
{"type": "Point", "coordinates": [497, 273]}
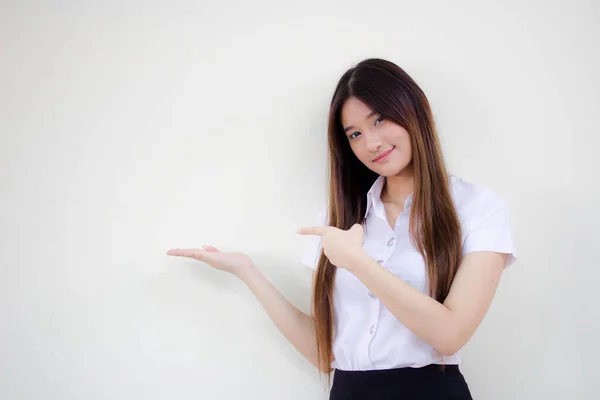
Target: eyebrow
{"type": "Point", "coordinates": [346, 129]}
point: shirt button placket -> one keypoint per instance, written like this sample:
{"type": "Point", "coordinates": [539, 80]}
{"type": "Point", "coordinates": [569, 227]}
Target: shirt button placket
{"type": "Point", "coordinates": [375, 307]}
{"type": "Point", "coordinates": [371, 294]}
{"type": "Point", "coordinates": [391, 244]}
{"type": "Point", "coordinates": [371, 334]}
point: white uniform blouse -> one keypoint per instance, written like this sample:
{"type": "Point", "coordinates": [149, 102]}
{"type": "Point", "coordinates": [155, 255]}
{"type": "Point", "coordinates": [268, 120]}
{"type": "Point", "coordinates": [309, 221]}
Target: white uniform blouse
{"type": "Point", "coordinates": [367, 335]}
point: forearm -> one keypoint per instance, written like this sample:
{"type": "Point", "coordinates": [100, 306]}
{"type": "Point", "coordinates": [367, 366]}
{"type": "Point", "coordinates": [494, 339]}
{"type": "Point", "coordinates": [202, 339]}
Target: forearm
{"type": "Point", "coordinates": [425, 317]}
{"type": "Point", "coordinates": [297, 327]}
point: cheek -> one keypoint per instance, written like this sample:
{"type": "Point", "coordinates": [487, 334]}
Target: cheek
{"type": "Point", "coordinates": [360, 152]}
{"type": "Point", "coordinates": [403, 140]}
{"type": "Point", "coordinates": [406, 144]}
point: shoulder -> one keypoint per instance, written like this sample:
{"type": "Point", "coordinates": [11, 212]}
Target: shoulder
{"type": "Point", "coordinates": [474, 201]}
{"type": "Point", "coordinates": [485, 219]}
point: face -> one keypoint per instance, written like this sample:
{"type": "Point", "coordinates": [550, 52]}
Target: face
{"type": "Point", "coordinates": [381, 145]}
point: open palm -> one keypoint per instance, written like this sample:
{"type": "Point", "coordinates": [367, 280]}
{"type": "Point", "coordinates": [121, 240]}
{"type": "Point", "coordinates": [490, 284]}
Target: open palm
{"type": "Point", "coordinates": [228, 262]}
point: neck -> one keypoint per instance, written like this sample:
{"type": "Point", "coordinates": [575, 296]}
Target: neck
{"type": "Point", "coordinates": [398, 187]}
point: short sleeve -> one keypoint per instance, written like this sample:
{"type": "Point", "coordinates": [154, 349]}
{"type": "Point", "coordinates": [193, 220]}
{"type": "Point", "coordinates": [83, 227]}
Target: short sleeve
{"type": "Point", "coordinates": [489, 229]}
{"type": "Point", "coordinates": [312, 251]}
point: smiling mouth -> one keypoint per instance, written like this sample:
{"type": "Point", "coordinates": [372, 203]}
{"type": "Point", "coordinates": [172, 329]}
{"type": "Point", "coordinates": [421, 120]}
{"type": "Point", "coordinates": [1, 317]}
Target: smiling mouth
{"type": "Point", "coordinates": [382, 155]}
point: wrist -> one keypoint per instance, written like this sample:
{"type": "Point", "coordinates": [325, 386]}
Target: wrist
{"type": "Point", "coordinates": [246, 273]}
{"type": "Point", "coordinates": [357, 259]}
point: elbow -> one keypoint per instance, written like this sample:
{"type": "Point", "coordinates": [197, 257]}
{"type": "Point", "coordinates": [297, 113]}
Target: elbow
{"type": "Point", "coordinates": [451, 344]}
{"type": "Point", "coordinates": [325, 370]}
{"type": "Point", "coordinates": [448, 350]}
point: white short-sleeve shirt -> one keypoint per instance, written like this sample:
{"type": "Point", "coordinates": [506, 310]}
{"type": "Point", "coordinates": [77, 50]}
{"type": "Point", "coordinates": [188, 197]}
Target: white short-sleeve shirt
{"type": "Point", "coordinates": [367, 335]}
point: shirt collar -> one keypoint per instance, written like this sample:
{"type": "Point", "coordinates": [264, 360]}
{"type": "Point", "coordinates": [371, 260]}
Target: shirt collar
{"type": "Point", "coordinates": [374, 195]}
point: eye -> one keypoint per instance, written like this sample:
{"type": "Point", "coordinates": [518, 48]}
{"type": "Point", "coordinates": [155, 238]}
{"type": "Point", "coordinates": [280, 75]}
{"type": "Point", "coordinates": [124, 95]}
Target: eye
{"type": "Point", "coordinates": [380, 119]}
{"type": "Point", "coordinates": [351, 136]}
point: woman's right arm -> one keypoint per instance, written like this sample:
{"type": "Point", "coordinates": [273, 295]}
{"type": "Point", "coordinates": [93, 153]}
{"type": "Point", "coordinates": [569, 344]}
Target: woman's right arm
{"type": "Point", "coordinates": [297, 327]}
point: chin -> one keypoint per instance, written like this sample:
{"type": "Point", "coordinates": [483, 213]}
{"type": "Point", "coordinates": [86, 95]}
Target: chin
{"type": "Point", "coordinates": [389, 168]}
{"type": "Point", "coordinates": [392, 170]}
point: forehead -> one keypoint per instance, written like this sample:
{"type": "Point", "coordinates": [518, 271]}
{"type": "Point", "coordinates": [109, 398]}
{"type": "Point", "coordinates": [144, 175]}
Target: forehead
{"type": "Point", "coordinates": [354, 111]}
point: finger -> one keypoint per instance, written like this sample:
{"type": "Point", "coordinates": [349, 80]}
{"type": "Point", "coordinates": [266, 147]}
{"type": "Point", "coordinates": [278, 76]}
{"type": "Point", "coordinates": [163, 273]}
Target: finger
{"type": "Point", "coordinates": [184, 252]}
{"type": "Point", "coordinates": [312, 230]}
{"type": "Point", "coordinates": [200, 255]}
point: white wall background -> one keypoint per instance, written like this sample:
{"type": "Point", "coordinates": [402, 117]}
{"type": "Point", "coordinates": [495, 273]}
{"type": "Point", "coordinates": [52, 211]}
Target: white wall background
{"type": "Point", "coordinates": [128, 128]}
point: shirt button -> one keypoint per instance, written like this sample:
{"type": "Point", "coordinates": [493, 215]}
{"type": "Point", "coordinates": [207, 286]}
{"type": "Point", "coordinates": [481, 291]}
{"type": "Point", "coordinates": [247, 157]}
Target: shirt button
{"type": "Point", "coordinates": [391, 241]}
{"type": "Point", "coordinates": [372, 329]}
{"type": "Point", "coordinates": [371, 295]}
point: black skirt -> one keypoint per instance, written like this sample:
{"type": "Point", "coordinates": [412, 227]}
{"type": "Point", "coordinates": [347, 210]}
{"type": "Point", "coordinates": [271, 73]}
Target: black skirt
{"type": "Point", "coordinates": [426, 383]}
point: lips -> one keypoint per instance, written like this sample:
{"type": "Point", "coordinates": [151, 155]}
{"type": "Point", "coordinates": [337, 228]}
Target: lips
{"type": "Point", "coordinates": [382, 155]}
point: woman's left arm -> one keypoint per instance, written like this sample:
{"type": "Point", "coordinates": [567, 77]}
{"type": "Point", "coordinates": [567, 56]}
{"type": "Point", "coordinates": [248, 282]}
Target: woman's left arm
{"type": "Point", "coordinates": [446, 327]}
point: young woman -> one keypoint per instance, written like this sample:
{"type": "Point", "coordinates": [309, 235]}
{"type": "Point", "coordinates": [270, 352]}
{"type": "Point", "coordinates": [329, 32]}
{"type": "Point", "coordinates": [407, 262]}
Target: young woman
{"type": "Point", "coordinates": [407, 257]}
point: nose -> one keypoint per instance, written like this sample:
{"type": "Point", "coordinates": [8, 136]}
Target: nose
{"type": "Point", "coordinates": [373, 142]}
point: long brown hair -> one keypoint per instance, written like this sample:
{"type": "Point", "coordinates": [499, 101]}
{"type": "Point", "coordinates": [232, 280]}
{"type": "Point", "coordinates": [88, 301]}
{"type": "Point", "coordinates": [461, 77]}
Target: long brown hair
{"type": "Point", "coordinates": [434, 226]}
